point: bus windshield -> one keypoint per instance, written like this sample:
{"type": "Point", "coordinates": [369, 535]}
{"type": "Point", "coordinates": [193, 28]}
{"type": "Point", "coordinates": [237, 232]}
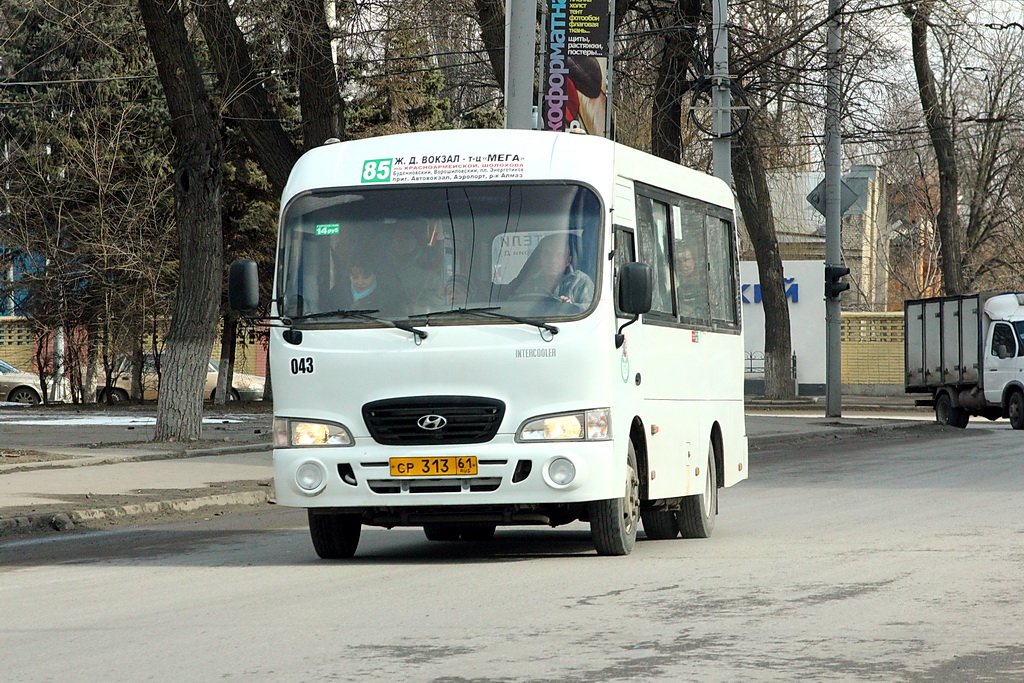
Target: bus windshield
{"type": "Point", "coordinates": [401, 252]}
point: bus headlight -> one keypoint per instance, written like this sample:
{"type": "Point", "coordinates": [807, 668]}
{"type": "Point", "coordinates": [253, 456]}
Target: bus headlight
{"type": "Point", "coordinates": [289, 433]}
{"type": "Point", "coordinates": [585, 425]}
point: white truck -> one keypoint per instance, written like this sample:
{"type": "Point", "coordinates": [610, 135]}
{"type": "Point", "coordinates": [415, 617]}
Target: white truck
{"type": "Point", "coordinates": [967, 351]}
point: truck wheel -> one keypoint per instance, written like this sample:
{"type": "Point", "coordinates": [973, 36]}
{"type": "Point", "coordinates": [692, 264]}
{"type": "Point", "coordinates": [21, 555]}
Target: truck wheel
{"type": "Point", "coordinates": [696, 514]}
{"type": "Point", "coordinates": [1015, 410]}
{"type": "Point", "coordinates": [660, 525]}
{"type": "Point", "coordinates": [335, 535]}
{"type": "Point", "coordinates": [947, 414]}
{"type": "Point", "coordinates": [613, 522]}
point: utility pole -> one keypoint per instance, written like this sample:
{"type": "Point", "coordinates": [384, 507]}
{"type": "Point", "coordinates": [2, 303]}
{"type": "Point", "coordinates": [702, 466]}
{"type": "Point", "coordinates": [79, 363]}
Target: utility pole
{"type": "Point", "coordinates": [520, 62]}
{"type": "Point", "coordinates": [833, 212]}
{"type": "Point", "coordinates": [721, 114]}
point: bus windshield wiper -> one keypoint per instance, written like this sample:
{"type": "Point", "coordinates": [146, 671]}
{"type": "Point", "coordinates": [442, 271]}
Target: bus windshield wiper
{"type": "Point", "coordinates": [362, 314]}
{"type": "Point", "coordinates": [491, 312]}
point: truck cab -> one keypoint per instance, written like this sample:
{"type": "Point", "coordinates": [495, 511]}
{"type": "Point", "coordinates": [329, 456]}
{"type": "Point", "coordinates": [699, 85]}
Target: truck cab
{"type": "Point", "coordinates": [1004, 348]}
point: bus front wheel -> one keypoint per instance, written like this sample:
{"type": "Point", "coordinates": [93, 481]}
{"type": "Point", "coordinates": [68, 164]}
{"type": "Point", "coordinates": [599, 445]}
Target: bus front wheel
{"type": "Point", "coordinates": [613, 523]}
{"type": "Point", "coordinates": [696, 514]}
{"type": "Point", "coordinates": [335, 536]}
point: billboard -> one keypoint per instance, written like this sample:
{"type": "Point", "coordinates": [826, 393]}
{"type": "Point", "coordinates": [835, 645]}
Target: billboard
{"type": "Point", "coordinates": [574, 87]}
{"type": "Point", "coordinates": [805, 294]}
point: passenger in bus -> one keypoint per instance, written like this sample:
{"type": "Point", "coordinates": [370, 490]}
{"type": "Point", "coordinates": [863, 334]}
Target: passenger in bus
{"type": "Point", "coordinates": [549, 272]}
{"type": "Point", "coordinates": [418, 265]}
{"type": "Point", "coordinates": [364, 290]}
{"type": "Point", "coordinates": [689, 284]}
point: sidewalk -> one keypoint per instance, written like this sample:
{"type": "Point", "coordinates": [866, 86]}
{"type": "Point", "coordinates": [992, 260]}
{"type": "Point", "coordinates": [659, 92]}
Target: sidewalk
{"type": "Point", "coordinates": [62, 469]}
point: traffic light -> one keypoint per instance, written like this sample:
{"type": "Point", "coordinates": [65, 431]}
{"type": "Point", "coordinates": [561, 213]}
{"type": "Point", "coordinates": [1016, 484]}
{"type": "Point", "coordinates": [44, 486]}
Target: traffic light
{"type": "Point", "coordinates": [833, 285]}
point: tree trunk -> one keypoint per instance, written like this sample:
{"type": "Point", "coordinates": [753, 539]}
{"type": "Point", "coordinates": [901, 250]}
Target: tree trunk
{"type": "Point", "coordinates": [672, 84]}
{"type": "Point", "coordinates": [937, 118]}
{"type": "Point", "coordinates": [490, 14]}
{"type": "Point", "coordinates": [226, 365]}
{"type": "Point", "coordinates": [244, 95]}
{"type": "Point", "coordinates": [198, 170]}
{"type": "Point", "coordinates": [323, 110]}
{"type": "Point", "coordinates": [751, 185]}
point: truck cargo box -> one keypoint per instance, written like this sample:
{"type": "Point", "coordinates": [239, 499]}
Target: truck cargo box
{"type": "Point", "coordinates": [943, 340]}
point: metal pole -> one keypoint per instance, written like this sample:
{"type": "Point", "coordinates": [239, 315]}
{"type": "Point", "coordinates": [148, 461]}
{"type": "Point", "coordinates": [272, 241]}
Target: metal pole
{"type": "Point", "coordinates": [520, 60]}
{"type": "Point", "coordinates": [721, 146]}
{"type": "Point", "coordinates": [833, 171]}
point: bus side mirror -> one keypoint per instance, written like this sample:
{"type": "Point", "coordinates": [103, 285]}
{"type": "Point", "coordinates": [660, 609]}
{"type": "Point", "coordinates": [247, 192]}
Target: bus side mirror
{"type": "Point", "coordinates": [635, 288]}
{"type": "Point", "coordinates": [243, 285]}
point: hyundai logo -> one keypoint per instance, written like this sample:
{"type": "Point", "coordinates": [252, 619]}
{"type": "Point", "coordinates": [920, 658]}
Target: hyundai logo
{"type": "Point", "coordinates": [432, 422]}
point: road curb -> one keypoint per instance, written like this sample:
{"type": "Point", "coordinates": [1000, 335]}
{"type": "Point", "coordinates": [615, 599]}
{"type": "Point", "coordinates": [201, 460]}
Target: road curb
{"type": "Point", "coordinates": [830, 432]}
{"type": "Point", "coordinates": [64, 521]}
{"type": "Point", "coordinates": [86, 461]}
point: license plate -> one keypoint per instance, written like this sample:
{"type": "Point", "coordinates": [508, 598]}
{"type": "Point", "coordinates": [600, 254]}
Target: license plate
{"type": "Point", "coordinates": [441, 466]}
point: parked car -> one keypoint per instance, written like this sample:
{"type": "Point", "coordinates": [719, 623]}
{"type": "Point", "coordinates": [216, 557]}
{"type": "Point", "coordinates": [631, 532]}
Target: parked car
{"type": "Point", "coordinates": [245, 386]}
{"type": "Point", "coordinates": [17, 386]}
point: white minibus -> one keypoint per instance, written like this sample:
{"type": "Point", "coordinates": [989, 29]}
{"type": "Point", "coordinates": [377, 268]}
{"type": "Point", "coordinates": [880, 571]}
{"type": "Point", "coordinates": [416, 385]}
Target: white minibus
{"type": "Point", "coordinates": [484, 328]}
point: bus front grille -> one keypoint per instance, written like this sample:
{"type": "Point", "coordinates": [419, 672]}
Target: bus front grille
{"type": "Point", "coordinates": [429, 420]}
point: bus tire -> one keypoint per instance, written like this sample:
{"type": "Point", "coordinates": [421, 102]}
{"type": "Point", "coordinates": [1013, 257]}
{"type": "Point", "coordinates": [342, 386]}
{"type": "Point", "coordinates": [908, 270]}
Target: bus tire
{"type": "Point", "coordinates": [948, 414]}
{"type": "Point", "coordinates": [660, 525]}
{"type": "Point", "coordinates": [441, 532]}
{"type": "Point", "coordinates": [335, 535]}
{"type": "Point", "coordinates": [477, 532]}
{"type": "Point", "coordinates": [696, 514]}
{"type": "Point", "coordinates": [1015, 410]}
{"type": "Point", "coordinates": [613, 523]}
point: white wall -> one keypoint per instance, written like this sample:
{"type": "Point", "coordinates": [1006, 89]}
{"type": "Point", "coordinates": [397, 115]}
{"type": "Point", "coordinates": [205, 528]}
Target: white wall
{"type": "Point", "coordinates": [806, 315]}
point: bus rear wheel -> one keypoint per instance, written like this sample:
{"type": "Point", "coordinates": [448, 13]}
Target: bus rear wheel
{"type": "Point", "coordinates": [696, 516]}
{"type": "Point", "coordinates": [660, 525]}
{"type": "Point", "coordinates": [613, 523]}
{"type": "Point", "coordinates": [335, 535]}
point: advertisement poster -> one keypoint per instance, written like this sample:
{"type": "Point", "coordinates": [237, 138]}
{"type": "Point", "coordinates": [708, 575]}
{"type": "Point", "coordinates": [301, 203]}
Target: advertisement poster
{"type": "Point", "coordinates": [574, 89]}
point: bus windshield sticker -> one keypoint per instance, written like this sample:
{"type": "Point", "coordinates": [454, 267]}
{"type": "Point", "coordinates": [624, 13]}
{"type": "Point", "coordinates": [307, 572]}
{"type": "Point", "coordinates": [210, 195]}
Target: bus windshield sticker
{"type": "Point", "coordinates": [509, 252]}
{"type": "Point", "coordinates": [323, 229]}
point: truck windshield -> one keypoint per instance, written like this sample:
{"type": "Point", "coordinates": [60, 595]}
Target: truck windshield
{"type": "Point", "coordinates": [1018, 328]}
{"type": "Point", "coordinates": [524, 250]}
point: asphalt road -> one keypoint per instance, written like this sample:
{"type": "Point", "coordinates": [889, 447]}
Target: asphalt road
{"type": "Point", "coordinates": [895, 557]}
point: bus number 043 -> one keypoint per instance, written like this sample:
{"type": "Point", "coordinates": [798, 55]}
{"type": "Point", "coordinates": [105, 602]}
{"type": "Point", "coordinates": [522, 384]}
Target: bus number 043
{"type": "Point", "coordinates": [302, 366]}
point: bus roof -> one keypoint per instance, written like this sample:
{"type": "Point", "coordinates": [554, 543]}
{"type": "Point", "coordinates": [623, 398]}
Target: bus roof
{"type": "Point", "coordinates": [491, 155]}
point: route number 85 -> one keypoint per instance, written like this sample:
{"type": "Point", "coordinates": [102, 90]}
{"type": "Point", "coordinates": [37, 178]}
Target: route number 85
{"type": "Point", "coordinates": [376, 170]}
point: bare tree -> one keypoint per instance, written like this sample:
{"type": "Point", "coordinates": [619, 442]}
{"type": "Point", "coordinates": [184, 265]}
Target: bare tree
{"type": "Point", "coordinates": [937, 115]}
{"type": "Point", "coordinates": [197, 160]}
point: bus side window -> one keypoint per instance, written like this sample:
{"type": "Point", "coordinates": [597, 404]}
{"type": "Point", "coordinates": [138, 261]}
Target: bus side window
{"type": "Point", "coordinates": [691, 261]}
{"type": "Point", "coordinates": [721, 270]}
{"type": "Point", "coordinates": [625, 252]}
{"type": "Point", "coordinates": [652, 223]}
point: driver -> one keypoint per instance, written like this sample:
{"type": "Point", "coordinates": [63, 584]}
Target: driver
{"type": "Point", "coordinates": [549, 272]}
